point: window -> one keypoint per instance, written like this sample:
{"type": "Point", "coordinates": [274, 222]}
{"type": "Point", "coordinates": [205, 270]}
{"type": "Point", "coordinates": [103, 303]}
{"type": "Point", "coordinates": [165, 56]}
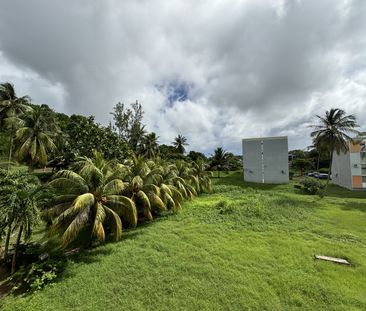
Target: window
{"type": "Point", "coordinates": [363, 169]}
{"type": "Point", "coordinates": [363, 179]}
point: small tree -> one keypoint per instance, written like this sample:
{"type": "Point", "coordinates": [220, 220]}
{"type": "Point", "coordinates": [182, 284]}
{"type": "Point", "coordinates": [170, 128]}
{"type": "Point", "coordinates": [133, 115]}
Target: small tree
{"type": "Point", "coordinates": [302, 165]}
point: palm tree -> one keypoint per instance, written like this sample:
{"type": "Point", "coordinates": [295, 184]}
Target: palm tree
{"type": "Point", "coordinates": [331, 134]}
{"type": "Point", "coordinates": [201, 177]}
{"type": "Point", "coordinates": [149, 146]}
{"type": "Point", "coordinates": [12, 108]}
{"type": "Point", "coordinates": [90, 201]}
{"type": "Point", "coordinates": [35, 137]}
{"type": "Point", "coordinates": [19, 200]}
{"type": "Point", "coordinates": [219, 160]}
{"type": "Point", "coordinates": [143, 178]}
{"type": "Point", "coordinates": [179, 142]}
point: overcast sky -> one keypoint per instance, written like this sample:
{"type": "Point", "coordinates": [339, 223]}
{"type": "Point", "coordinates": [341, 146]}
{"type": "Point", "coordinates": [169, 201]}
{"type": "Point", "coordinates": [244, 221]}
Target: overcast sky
{"type": "Point", "coordinates": [213, 71]}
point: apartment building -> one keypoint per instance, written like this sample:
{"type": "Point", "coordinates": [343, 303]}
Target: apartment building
{"type": "Point", "coordinates": [349, 169]}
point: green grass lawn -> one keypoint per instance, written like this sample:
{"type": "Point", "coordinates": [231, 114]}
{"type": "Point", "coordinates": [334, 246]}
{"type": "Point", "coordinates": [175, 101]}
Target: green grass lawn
{"type": "Point", "coordinates": [244, 247]}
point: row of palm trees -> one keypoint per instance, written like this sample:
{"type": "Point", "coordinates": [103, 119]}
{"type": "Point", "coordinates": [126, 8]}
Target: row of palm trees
{"type": "Point", "coordinates": [97, 198]}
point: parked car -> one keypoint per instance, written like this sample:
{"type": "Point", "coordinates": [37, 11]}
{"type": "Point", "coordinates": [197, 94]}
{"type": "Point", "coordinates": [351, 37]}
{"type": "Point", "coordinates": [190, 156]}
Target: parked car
{"type": "Point", "coordinates": [322, 176]}
{"type": "Point", "coordinates": [311, 174]}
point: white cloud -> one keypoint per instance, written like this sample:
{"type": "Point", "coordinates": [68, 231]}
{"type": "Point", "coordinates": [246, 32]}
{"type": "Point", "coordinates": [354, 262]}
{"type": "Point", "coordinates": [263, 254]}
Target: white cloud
{"type": "Point", "coordinates": [253, 67]}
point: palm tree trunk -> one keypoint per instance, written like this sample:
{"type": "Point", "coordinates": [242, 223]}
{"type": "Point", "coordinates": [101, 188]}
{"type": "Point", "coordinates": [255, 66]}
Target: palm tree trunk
{"type": "Point", "coordinates": [6, 248]}
{"type": "Point", "coordinates": [10, 150]}
{"type": "Point", "coordinates": [14, 261]}
{"type": "Point", "coordinates": [329, 172]}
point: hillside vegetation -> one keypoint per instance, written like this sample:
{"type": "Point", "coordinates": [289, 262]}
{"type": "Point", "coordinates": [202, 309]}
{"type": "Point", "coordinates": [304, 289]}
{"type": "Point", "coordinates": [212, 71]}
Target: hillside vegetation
{"type": "Point", "coordinates": [242, 247]}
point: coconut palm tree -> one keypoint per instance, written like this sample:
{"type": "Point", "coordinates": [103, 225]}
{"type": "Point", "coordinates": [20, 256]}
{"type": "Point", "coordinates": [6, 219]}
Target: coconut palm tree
{"type": "Point", "coordinates": [19, 200]}
{"type": "Point", "coordinates": [143, 179]}
{"type": "Point", "coordinates": [201, 177]}
{"type": "Point", "coordinates": [179, 142]}
{"type": "Point", "coordinates": [149, 146]}
{"type": "Point", "coordinates": [35, 137]}
{"type": "Point", "coordinates": [331, 134]}
{"type": "Point", "coordinates": [12, 108]}
{"type": "Point", "coordinates": [90, 201]}
{"type": "Point", "coordinates": [219, 160]}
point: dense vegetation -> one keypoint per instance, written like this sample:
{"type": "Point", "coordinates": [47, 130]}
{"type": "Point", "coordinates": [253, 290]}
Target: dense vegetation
{"type": "Point", "coordinates": [109, 179]}
{"type": "Point", "coordinates": [245, 246]}
{"type": "Point", "coordinates": [104, 179]}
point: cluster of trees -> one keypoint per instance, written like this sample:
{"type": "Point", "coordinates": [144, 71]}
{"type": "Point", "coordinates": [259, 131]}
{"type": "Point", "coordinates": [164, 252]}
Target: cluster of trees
{"type": "Point", "coordinates": [108, 178]}
{"type": "Point", "coordinates": [39, 137]}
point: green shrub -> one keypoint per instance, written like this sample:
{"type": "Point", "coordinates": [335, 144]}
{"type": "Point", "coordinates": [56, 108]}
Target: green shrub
{"type": "Point", "coordinates": [291, 174]}
{"type": "Point", "coordinates": [311, 186]}
{"type": "Point", "coordinates": [36, 275]}
{"type": "Point", "coordinates": [43, 176]}
{"type": "Point", "coordinates": [225, 208]}
{"type": "Point", "coordinates": [324, 170]}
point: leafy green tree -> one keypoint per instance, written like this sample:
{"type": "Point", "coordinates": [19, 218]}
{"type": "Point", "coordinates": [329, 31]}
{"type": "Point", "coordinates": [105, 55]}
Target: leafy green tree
{"type": "Point", "coordinates": [83, 135]}
{"type": "Point", "coordinates": [302, 165]}
{"type": "Point", "coordinates": [196, 156]}
{"type": "Point", "coordinates": [179, 142]}
{"type": "Point", "coordinates": [128, 122]}
{"type": "Point", "coordinates": [89, 200]}
{"type": "Point", "coordinates": [12, 108]}
{"type": "Point", "coordinates": [170, 153]}
{"type": "Point", "coordinates": [220, 160]}
{"type": "Point", "coordinates": [35, 137]}
{"type": "Point", "coordinates": [331, 134]}
{"type": "Point", "coordinates": [234, 162]}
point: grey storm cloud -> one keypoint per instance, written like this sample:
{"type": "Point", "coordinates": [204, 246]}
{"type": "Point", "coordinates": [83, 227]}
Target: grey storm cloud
{"type": "Point", "coordinates": [214, 71]}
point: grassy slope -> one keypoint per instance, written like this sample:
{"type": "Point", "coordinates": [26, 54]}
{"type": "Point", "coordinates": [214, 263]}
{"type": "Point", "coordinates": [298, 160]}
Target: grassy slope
{"type": "Point", "coordinates": [240, 248]}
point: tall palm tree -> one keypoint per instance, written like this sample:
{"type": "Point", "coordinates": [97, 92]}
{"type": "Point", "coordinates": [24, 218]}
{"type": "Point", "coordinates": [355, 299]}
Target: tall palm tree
{"type": "Point", "coordinates": [12, 108]}
{"type": "Point", "coordinates": [90, 201]}
{"type": "Point", "coordinates": [331, 134]}
{"type": "Point", "coordinates": [149, 146]}
{"type": "Point", "coordinates": [179, 142]}
{"type": "Point", "coordinates": [35, 137]}
{"type": "Point", "coordinates": [219, 160]}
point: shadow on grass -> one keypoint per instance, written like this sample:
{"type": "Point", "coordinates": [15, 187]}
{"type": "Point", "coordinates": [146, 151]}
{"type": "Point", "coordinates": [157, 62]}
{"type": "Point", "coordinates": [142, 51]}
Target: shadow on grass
{"type": "Point", "coordinates": [350, 206]}
{"type": "Point", "coordinates": [339, 192]}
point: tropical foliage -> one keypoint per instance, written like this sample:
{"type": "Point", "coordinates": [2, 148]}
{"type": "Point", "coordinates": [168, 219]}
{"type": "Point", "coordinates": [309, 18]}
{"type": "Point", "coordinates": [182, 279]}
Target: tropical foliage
{"type": "Point", "coordinates": [19, 205]}
{"type": "Point", "coordinates": [89, 200]}
{"type": "Point", "coordinates": [97, 197]}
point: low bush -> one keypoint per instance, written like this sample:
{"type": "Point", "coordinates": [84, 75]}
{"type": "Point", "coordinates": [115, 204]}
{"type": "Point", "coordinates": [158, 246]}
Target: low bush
{"type": "Point", "coordinates": [311, 186]}
{"type": "Point", "coordinates": [43, 176]}
{"type": "Point", "coordinates": [36, 275]}
{"type": "Point", "coordinates": [324, 170]}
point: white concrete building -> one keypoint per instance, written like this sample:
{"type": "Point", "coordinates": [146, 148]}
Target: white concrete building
{"type": "Point", "coordinates": [349, 169]}
{"type": "Point", "coordinates": [265, 160]}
